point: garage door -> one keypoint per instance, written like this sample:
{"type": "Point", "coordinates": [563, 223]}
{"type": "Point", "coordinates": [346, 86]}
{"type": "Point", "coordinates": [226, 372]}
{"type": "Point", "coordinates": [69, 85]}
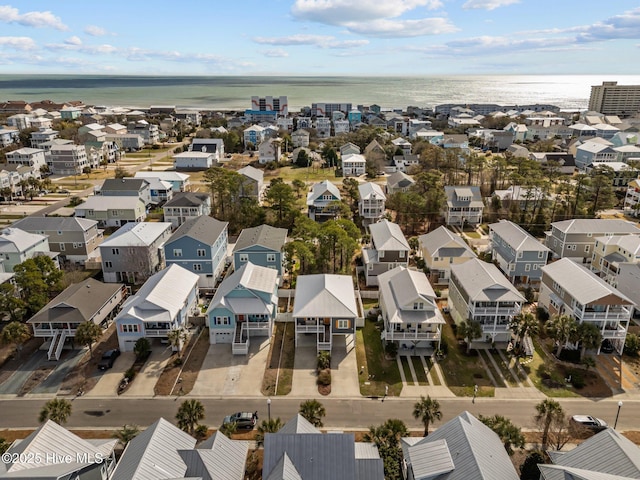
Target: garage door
{"type": "Point", "coordinates": [223, 337]}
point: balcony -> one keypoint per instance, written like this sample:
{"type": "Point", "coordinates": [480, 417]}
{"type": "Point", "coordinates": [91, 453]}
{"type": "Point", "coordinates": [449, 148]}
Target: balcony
{"type": "Point", "coordinates": [490, 328]}
{"type": "Point", "coordinates": [495, 311]}
{"type": "Point", "coordinates": [309, 328]}
{"type": "Point", "coordinates": [156, 332]}
{"type": "Point", "coordinates": [391, 335]}
{"type": "Point", "coordinates": [620, 313]}
{"type": "Point", "coordinates": [256, 326]}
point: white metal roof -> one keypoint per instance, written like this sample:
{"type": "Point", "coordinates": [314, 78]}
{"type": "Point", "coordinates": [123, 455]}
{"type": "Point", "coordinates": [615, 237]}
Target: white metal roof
{"type": "Point", "coordinates": [483, 282]}
{"type": "Point", "coordinates": [16, 240]}
{"type": "Point", "coordinates": [136, 234]}
{"type": "Point", "coordinates": [325, 295]}
{"type": "Point", "coordinates": [370, 190]}
{"type": "Point", "coordinates": [387, 235]}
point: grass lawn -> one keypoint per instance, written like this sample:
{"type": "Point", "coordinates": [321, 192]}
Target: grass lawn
{"type": "Point", "coordinates": [406, 369]}
{"type": "Point", "coordinates": [536, 368]}
{"type": "Point", "coordinates": [370, 355]}
{"type": "Point", "coordinates": [434, 375]}
{"type": "Point", "coordinates": [472, 234]}
{"type": "Point", "coordinates": [461, 371]}
{"type": "Point", "coordinates": [309, 175]}
{"type": "Point", "coordinates": [504, 369]}
{"type": "Point", "coordinates": [368, 303]}
{"type": "Point", "coordinates": [421, 375]}
{"type": "Point", "coordinates": [496, 376]}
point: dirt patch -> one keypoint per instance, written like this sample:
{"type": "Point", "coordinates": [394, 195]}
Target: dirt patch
{"type": "Point", "coordinates": [85, 376]}
{"type": "Point", "coordinates": [188, 371]}
{"type": "Point", "coordinates": [280, 370]}
{"type": "Point", "coordinates": [10, 361]}
{"type": "Point", "coordinates": [35, 378]}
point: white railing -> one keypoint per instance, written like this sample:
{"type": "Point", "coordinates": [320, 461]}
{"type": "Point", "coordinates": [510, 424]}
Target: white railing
{"type": "Point", "coordinates": [256, 325]}
{"type": "Point", "coordinates": [486, 328]}
{"type": "Point", "coordinates": [620, 314]}
{"type": "Point", "coordinates": [392, 335]}
{"type": "Point", "coordinates": [240, 348]}
{"type": "Point", "coordinates": [63, 337]}
{"type": "Point", "coordinates": [309, 328]}
{"type": "Point", "coordinates": [156, 332]}
{"type": "Point", "coordinates": [324, 346]}
{"type": "Point", "coordinates": [53, 344]}
{"type": "Point", "coordinates": [495, 311]}
{"type": "Point", "coordinates": [618, 333]}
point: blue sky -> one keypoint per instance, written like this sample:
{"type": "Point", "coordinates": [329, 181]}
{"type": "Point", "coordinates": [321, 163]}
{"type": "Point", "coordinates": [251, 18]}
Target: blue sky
{"type": "Point", "coordinates": [321, 37]}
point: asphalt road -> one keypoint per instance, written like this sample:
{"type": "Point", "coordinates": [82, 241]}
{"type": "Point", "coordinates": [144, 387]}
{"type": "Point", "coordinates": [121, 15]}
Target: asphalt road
{"type": "Point", "coordinates": [341, 413]}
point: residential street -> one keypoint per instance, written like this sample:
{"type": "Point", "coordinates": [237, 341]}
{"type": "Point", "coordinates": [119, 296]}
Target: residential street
{"type": "Point", "coordinates": [341, 413]}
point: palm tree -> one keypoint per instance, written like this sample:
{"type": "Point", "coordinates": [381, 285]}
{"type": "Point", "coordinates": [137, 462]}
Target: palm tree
{"type": "Point", "coordinates": [15, 333]}
{"type": "Point", "coordinates": [126, 433]}
{"type": "Point", "coordinates": [547, 411]}
{"type": "Point", "coordinates": [510, 435]}
{"type": "Point", "coordinates": [88, 333]}
{"type": "Point", "coordinates": [313, 411]}
{"type": "Point", "coordinates": [388, 434]}
{"type": "Point", "coordinates": [523, 325]}
{"type": "Point", "coordinates": [271, 425]}
{"type": "Point", "coordinates": [470, 331]}
{"type": "Point", "coordinates": [228, 429]}
{"type": "Point", "coordinates": [189, 414]}
{"type": "Point", "coordinates": [561, 328]}
{"type": "Point", "coordinates": [57, 410]}
{"type": "Point", "coordinates": [589, 336]}
{"type": "Point", "coordinates": [427, 411]}
{"type": "Point", "coordinates": [177, 337]}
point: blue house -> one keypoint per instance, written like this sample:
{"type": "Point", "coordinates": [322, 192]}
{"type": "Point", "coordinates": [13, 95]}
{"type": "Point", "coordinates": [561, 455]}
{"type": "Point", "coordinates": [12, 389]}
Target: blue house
{"type": "Point", "coordinates": [244, 306]}
{"type": "Point", "coordinates": [200, 246]}
{"type": "Point", "coordinates": [261, 246]}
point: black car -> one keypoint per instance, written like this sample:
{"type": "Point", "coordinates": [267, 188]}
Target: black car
{"type": "Point", "coordinates": [108, 358]}
{"type": "Point", "coordinates": [607, 346]}
{"type": "Point", "coordinates": [242, 420]}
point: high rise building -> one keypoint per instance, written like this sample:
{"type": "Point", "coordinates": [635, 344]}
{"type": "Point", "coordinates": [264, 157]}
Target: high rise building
{"type": "Point", "coordinates": [613, 99]}
{"type": "Point", "coordinates": [327, 109]}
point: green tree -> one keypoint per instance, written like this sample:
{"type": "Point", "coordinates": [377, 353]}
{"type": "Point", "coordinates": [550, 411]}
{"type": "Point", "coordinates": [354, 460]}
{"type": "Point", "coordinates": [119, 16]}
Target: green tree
{"type": "Point", "coordinates": [15, 333]}
{"type": "Point", "coordinates": [189, 415]}
{"type": "Point", "coordinates": [228, 429]}
{"type": "Point", "coordinates": [87, 171]}
{"type": "Point", "coordinates": [87, 334]}
{"type": "Point", "coordinates": [350, 187]}
{"type": "Point", "coordinates": [38, 279]}
{"type": "Point", "coordinates": [177, 337]}
{"type": "Point", "coordinates": [299, 187]}
{"type": "Point", "coordinates": [510, 434]}
{"type": "Point", "coordinates": [302, 159]}
{"type": "Point", "coordinates": [387, 438]}
{"type": "Point", "coordinates": [589, 337]}
{"type": "Point", "coordinates": [427, 410]}
{"type": "Point", "coordinates": [470, 331]}
{"type": "Point", "coordinates": [547, 412]}
{"type": "Point", "coordinates": [224, 186]}
{"type": "Point", "coordinates": [57, 410]}
{"type": "Point", "coordinates": [313, 411]}
{"type": "Point", "coordinates": [11, 303]}
{"type": "Point", "coordinates": [142, 348]}
{"type": "Point", "coordinates": [126, 433]}
{"type": "Point", "coordinates": [121, 172]}
{"type": "Point", "coordinates": [529, 469]}
{"type": "Point", "coordinates": [271, 425]}
{"type": "Point", "coordinates": [280, 197]}
{"type": "Point", "coordinates": [561, 328]}
{"type": "Point", "coordinates": [632, 345]}
{"type": "Point", "coordinates": [524, 324]}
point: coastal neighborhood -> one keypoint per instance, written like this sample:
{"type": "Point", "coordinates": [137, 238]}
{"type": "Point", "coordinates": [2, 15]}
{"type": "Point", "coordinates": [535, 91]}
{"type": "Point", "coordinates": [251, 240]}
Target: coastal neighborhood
{"type": "Point", "coordinates": [471, 251]}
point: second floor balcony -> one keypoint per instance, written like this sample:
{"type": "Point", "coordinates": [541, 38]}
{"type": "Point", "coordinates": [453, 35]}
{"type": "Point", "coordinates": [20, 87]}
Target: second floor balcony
{"type": "Point", "coordinates": [617, 312]}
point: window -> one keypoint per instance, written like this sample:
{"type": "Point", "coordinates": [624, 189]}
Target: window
{"type": "Point", "coordinates": [520, 254]}
{"type": "Point", "coordinates": [59, 232]}
{"type": "Point", "coordinates": [541, 254]}
{"type": "Point", "coordinates": [177, 252]}
{"type": "Point", "coordinates": [342, 324]}
{"type": "Point", "coordinates": [115, 251]}
{"type": "Point", "coordinates": [202, 252]}
{"type": "Point", "coordinates": [535, 266]}
{"type": "Point", "coordinates": [527, 267]}
{"type": "Point", "coordinates": [589, 234]}
{"type": "Point", "coordinates": [62, 247]}
{"type": "Point", "coordinates": [222, 321]}
{"type": "Point", "coordinates": [401, 254]}
{"type": "Point", "coordinates": [586, 248]}
{"type": "Point", "coordinates": [130, 328]}
{"type": "Point", "coordinates": [271, 257]}
{"type": "Point", "coordinates": [115, 213]}
{"type": "Point", "coordinates": [571, 247]}
{"type": "Point", "coordinates": [108, 264]}
{"type": "Point", "coordinates": [197, 267]}
{"type": "Point", "coordinates": [244, 257]}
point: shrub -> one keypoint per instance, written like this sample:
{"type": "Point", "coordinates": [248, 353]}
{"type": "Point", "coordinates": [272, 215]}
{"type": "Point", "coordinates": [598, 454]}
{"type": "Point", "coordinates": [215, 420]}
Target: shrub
{"type": "Point", "coordinates": [577, 379]}
{"type": "Point", "coordinates": [632, 345]}
{"type": "Point", "coordinates": [391, 349]}
{"type": "Point", "coordinates": [130, 374]}
{"type": "Point", "coordinates": [201, 432]}
{"type": "Point", "coordinates": [324, 361]}
{"type": "Point", "coordinates": [142, 348]}
{"type": "Point", "coordinates": [444, 346]}
{"type": "Point", "coordinates": [542, 314]}
{"type": "Point", "coordinates": [324, 377]}
{"type": "Point", "coordinates": [438, 292]}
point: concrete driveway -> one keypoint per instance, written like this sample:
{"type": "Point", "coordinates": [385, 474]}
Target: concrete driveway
{"type": "Point", "coordinates": [54, 380]}
{"type": "Point", "coordinates": [344, 367]}
{"type": "Point", "coordinates": [145, 381]}
{"type": "Point", "coordinates": [110, 379]}
{"type": "Point", "coordinates": [15, 382]}
{"type": "Point", "coordinates": [223, 373]}
{"type": "Point", "coordinates": [304, 369]}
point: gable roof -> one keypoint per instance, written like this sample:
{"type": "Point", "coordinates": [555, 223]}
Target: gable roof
{"type": "Point", "coordinates": [164, 175]}
{"type": "Point", "coordinates": [63, 224]}
{"type": "Point", "coordinates": [630, 243]}
{"type": "Point", "coordinates": [153, 454]}
{"type": "Point", "coordinates": [188, 199]}
{"type": "Point", "coordinates": [557, 472]}
{"type": "Point", "coordinates": [454, 194]}
{"type": "Point", "coordinates": [136, 234]}
{"type": "Point", "coordinates": [119, 184]}
{"type": "Point", "coordinates": [581, 283]}
{"type": "Point", "coordinates": [320, 188]}
{"type": "Point", "coordinates": [116, 202]}
{"type": "Point", "coordinates": [516, 237]}
{"type": "Point", "coordinates": [325, 295]}
{"type": "Point", "coordinates": [203, 228]}
{"type": "Point", "coordinates": [429, 459]}
{"type": "Point", "coordinates": [478, 453]}
{"type": "Point", "coordinates": [15, 240]}
{"type": "Point", "coordinates": [386, 235]}
{"type": "Point", "coordinates": [252, 173]}
{"type": "Point", "coordinates": [399, 180]}
{"type": "Point", "coordinates": [596, 226]}
{"type": "Point", "coordinates": [484, 282]}
{"type": "Point", "coordinates": [441, 239]}
{"type": "Point", "coordinates": [78, 302]}
{"type": "Point", "coordinates": [248, 277]}
{"type": "Point", "coordinates": [353, 158]}
{"type": "Point", "coordinates": [264, 235]}
{"type": "Point", "coordinates": [218, 458]}
{"type": "Point", "coordinates": [370, 190]}
{"type": "Point", "coordinates": [284, 470]}
{"type": "Point", "coordinates": [298, 424]}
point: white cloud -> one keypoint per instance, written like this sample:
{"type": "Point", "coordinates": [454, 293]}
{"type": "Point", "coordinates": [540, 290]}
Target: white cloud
{"type": "Point", "coordinates": [9, 14]}
{"type": "Point", "coordinates": [626, 25]}
{"type": "Point", "coordinates": [275, 53]}
{"type": "Point", "coordinates": [18, 43]}
{"type": "Point", "coordinates": [79, 47]}
{"type": "Point", "coordinates": [338, 12]}
{"type": "Point", "coordinates": [73, 41]}
{"type": "Point", "coordinates": [321, 41]}
{"type": "Point", "coordinates": [403, 28]}
{"type": "Point", "coordinates": [95, 31]}
{"type": "Point", "coordinates": [487, 4]}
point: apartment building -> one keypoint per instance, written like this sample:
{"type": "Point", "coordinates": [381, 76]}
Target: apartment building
{"type": "Point", "coordinates": [613, 99]}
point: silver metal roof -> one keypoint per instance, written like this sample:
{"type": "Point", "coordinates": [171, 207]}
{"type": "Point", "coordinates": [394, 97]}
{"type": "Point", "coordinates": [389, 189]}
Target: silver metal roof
{"type": "Point", "coordinates": [597, 226]}
{"type": "Point", "coordinates": [264, 235]}
{"type": "Point", "coordinates": [325, 295]}
{"type": "Point", "coordinates": [298, 424]}
{"type": "Point", "coordinates": [441, 238]}
{"type": "Point", "coordinates": [386, 235]}
{"type": "Point", "coordinates": [516, 237]}
{"type": "Point", "coordinates": [204, 228]}
{"type": "Point", "coordinates": [136, 234]}
{"type": "Point", "coordinates": [483, 282]}
{"type": "Point", "coordinates": [248, 277]}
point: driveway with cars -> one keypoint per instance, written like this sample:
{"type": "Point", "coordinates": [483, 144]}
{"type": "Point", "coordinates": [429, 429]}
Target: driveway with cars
{"type": "Point", "coordinates": [110, 379]}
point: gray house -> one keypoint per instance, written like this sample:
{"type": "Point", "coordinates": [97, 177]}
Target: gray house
{"type": "Point", "coordinates": [126, 187]}
{"type": "Point", "coordinates": [16, 246]}
{"type": "Point", "coordinates": [75, 239]}
{"type": "Point", "coordinates": [134, 252]}
{"type": "Point", "coordinates": [252, 182]}
{"type": "Point", "coordinates": [389, 249]}
{"type": "Point", "coordinates": [399, 182]}
{"type": "Point", "coordinates": [261, 246]}
{"type": "Point", "coordinates": [464, 205]}
{"type": "Point", "coordinates": [519, 255]}
{"type": "Point", "coordinates": [440, 249]}
{"type": "Point", "coordinates": [186, 205]}
{"type": "Point", "coordinates": [321, 201]}
{"type": "Point", "coordinates": [575, 239]}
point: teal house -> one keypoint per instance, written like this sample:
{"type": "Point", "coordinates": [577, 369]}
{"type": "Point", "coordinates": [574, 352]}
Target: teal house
{"type": "Point", "coordinates": [243, 307]}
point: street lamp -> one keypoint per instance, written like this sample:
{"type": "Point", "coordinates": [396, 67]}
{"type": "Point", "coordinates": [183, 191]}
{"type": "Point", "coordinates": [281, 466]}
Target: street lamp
{"type": "Point", "coordinates": [617, 414]}
{"type": "Point", "coordinates": [269, 409]}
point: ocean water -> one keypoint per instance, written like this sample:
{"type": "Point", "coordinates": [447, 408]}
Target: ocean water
{"type": "Point", "coordinates": [234, 93]}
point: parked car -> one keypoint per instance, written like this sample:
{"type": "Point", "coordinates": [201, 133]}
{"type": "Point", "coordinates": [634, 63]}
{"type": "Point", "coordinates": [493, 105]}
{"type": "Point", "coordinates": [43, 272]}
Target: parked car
{"type": "Point", "coordinates": [589, 422]}
{"type": "Point", "coordinates": [607, 346]}
{"type": "Point", "coordinates": [108, 358]}
{"type": "Point", "coordinates": [242, 420]}
{"type": "Point", "coordinates": [62, 190]}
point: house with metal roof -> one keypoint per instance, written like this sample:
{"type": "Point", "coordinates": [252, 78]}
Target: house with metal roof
{"type": "Point", "coordinates": [464, 448]}
{"type": "Point", "coordinates": [194, 160]}
{"type": "Point", "coordinates": [162, 304]}
{"type": "Point", "coordinates": [200, 246]}
{"type": "Point", "coordinates": [115, 212]}
{"type": "Point", "coordinates": [217, 458]}
{"type": "Point", "coordinates": [410, 310]}
{"type": "Point", "coordinates": [608, 455]}
{"type": "Point", "coordinates": [520, 256]}
{"type": "Point", "coordinates": [244, 306]}
{"type": "Point", "coordinates": [262, 245]}
{"type": "Point", "coordinates": [325, 305]}
{"type": "Point", "coordinates": [349, 148]}
{"type": "Point", "coordinates": [610, 252]}
{"type": "Point", "coordinates": [126, 187]}
{"type": "Point", "coordinates": [159, 190]}
{"type": "Point", "coordinates": [75, 239]}
{"type": "Point", "coordinates": [479, 292]}
{"type": "Point", "coordinates": [389, 248]}
{"type": "Point", "coordinates": [63, 455]}
{"type": "Point", "coordinates": [399, 182]}
{"type": "Point", "coordinates": [353, 164]}
{"type": "Point", "coordinates": [134, 252]}
{"type": "Point", "coordinates": [16, 246]}
{"type": "Point", "coordinates": [575, 238]}
{"type": "Point", "coordinates": [299, 451]}
{"type": "Point", "coordinates": [569, 288]}
{"type": "Point", "coordinates": [464, 205]}
{"type": "Point", "coordinates": [186, 205]}
{"type": "Point", "coordinates": [321, 201]}
{"type": "Point", "coordinates": [179, 181]}
{"type": "Point", "coordinates": [251, 183]}
{"type": "Point", "coordinates": [87, 301]}
{"type": "Point", "coordinates": [440, 249]}
{"type": "Point", "coordinates": [371, 206]}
